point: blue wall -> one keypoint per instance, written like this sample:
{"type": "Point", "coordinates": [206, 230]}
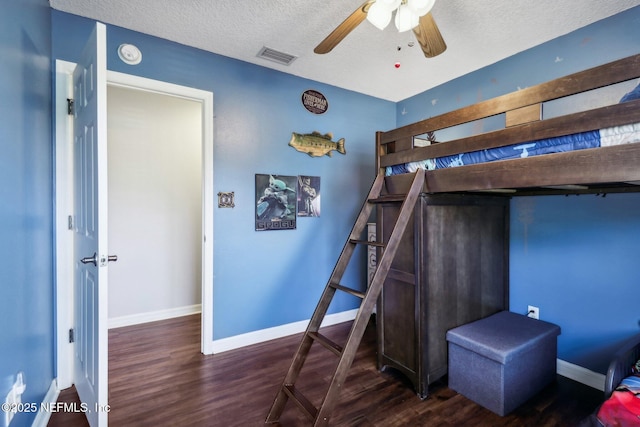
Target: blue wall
{"type": "Point", "coordinates": [262, 279]}
{"type": "Point", "coordinates": [573, 257]}
{"type": "Point", "coordinates": [26, 272]}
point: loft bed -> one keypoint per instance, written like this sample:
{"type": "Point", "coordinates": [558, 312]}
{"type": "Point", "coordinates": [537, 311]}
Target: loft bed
{"type": "Point", "coordinates": [452, 264]}
{"type": "Point", "coordinates": [605, 158]}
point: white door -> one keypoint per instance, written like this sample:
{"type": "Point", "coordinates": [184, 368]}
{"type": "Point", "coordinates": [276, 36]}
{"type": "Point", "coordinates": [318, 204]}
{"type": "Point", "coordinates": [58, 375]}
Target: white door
{"type": "Point", "coordinates": [90, 237]}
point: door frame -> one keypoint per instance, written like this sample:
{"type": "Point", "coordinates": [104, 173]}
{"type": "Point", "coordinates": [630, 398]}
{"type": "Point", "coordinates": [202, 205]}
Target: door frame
{"type": "Point", "coordinates": [64, 206]}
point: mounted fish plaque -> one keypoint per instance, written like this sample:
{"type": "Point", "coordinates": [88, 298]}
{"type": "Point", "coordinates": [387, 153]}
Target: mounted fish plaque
{"type": "Point", "coordinates": [314, 102]}
{"type": "Point", "coordinates": [315, 144]}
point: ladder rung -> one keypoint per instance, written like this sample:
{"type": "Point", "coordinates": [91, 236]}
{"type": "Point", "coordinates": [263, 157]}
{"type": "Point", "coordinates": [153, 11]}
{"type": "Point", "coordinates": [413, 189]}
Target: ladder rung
{"type": "Point", "coordinates": [388, 198]}
{"type": "Point", "coordinates": [346, 355]}
{"type": "Point", "coordinates": [348, 290]}
{"type": "Point", "coordinates": [326, 342]}
{"type": "Point", "coordinates": [301, 400]}
{"type": "Point", "coordinates": [368, 242]}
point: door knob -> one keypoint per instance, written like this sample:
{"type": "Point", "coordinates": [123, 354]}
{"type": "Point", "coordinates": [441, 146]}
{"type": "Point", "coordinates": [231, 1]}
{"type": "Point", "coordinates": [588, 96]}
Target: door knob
{"type": "Point", "coordinates": [103, 261]}
{"type": "Point", "coordinates": [90, 260]}
{"type": "Point", "coordinates": [109, 258]}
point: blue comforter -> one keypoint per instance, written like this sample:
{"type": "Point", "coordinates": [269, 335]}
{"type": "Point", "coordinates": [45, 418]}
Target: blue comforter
{"type": "Point", "coordinates": [578, 141]}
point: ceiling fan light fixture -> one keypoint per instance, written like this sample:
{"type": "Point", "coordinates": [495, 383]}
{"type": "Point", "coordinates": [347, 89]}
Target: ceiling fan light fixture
{"type": "Point", "coordinates": [406, 18]}
{"type": "Point", "coordinates": [379, 14]}
{"type": "Point", "coordinates": [408, 13]}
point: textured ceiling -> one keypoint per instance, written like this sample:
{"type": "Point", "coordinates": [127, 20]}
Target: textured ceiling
{"type": "Point", "coordinates": [477, 33]}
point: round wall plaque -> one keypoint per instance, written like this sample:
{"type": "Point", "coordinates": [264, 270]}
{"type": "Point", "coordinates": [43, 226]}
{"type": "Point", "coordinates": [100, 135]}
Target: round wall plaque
{"type": "Point", "coordinates": [314, 102]}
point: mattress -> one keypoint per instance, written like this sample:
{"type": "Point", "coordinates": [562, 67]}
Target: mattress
{"type": "Point", "coordinates": [616, 135]}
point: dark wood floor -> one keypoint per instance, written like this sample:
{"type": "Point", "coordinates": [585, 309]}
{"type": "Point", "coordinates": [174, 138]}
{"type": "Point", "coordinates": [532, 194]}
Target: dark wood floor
{"type": "Point", "coordinates": [158, 377]}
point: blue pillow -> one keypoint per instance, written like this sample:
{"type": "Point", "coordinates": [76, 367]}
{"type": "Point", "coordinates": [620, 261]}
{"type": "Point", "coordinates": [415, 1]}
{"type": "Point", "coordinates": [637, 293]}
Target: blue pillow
{"type": "Point", "coordinates": [634, 94]}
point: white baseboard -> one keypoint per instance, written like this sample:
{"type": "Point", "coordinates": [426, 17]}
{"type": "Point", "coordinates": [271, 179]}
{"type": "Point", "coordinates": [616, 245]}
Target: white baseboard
{"type": "Point", "coordinates": [580, 374]}
{"type": "Point", "coordinates": [153, 316]}
{"type": "Point", "coordinates": [237, 341]}
{"type": "Point", "coordinates": [42, 418]}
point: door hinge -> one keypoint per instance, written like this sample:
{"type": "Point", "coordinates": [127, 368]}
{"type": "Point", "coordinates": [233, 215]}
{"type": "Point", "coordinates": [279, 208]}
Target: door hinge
{"type": "Point", "coordinates": [70, 222]}
{"type": "Point", "coordinates": [71, 336]}
{"type": "Point", "coordinates": [70, 105]}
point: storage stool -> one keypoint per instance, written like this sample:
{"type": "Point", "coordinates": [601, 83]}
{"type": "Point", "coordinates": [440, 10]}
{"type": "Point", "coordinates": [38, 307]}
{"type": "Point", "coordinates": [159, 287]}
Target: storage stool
{"type": "Point", "coordinates": [502, 360]}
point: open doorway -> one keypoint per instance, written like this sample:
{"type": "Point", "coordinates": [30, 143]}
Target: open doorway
{"type": "Point", "coordinates": [64, 202]}
{"type": "Point", "coordinates": [155, 205]}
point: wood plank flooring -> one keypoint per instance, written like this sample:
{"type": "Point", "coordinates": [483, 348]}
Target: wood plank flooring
{"type": "Point", "coordinates": [158, 377]}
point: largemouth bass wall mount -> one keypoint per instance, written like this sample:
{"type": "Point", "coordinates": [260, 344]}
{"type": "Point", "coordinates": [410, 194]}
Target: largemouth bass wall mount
{"type": "Point", "coordinates": [316, 144]}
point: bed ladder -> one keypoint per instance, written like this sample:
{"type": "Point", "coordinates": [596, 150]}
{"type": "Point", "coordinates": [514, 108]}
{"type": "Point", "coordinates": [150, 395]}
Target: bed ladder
{"type": "Point", "coordinates": [321, 415]}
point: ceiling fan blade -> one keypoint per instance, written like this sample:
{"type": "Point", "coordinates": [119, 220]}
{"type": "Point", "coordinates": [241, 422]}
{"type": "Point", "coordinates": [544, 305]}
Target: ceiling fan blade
{"type": "Point", "coordinates": [343, 29]}
{"type": "Point", "coordinates": [429, 37]}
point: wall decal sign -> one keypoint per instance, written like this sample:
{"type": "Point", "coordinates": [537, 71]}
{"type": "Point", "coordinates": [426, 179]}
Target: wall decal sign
{"type": "Point", "coordinates": [315, 102]}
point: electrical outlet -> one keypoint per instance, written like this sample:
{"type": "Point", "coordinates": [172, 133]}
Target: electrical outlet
{"type": "Point", "coordinates": [13, 400]}
{"type": "Point", "coordinates": [533, 312]}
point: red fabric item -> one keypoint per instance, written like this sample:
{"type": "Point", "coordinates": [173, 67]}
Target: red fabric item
{"type": "Point", "coordinates": [622, 409]}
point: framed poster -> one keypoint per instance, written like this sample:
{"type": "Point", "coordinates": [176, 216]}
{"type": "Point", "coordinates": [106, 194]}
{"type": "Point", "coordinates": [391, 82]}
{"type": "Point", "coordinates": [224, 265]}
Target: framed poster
{"type": "Point", "coordinates": [308, 196]}
{"type": "Point", "coordinates": [275, 202]}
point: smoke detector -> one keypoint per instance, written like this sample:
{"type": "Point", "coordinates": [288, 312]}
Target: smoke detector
{"type": "Point", "coordinates": [129, 54]}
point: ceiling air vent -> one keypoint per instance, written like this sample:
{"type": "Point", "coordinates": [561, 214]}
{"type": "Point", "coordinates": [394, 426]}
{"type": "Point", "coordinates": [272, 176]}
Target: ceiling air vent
{"type": "Point", "coordinates": [276, 56]}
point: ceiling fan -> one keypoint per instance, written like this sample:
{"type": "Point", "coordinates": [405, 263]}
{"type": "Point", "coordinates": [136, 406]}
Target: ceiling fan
{"type": "Point", "coordinates": [426, 30]}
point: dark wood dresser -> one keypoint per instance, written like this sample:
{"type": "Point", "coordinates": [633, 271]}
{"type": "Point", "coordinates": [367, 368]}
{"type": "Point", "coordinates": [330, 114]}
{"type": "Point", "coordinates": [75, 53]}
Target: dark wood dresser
{"type": "Point", "coordinates": [452, 268]}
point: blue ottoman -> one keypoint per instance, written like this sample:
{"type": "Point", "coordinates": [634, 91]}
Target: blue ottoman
{"type": "Point", "coordinates": [502, 360]}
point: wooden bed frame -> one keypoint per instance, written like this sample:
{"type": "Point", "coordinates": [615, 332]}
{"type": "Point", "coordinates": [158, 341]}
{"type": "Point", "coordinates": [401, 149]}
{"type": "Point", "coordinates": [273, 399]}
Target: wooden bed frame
{"type": "Point", "coordinates": [439, 280]}
{"type": "Point", "coordinates": [605, 169]}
